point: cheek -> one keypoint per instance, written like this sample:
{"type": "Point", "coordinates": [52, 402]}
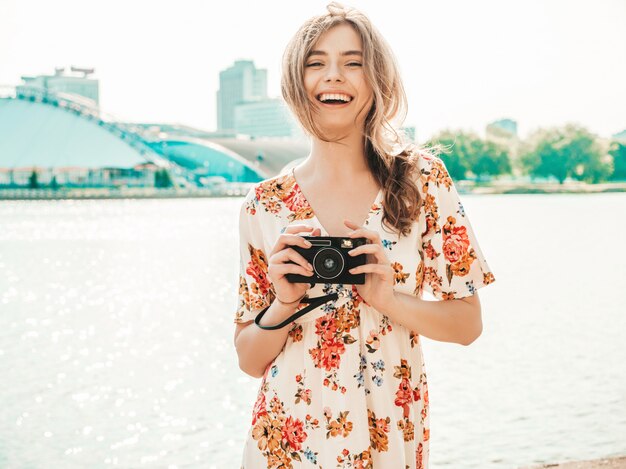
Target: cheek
{"type": "Point", "coordinates": [309, 83]}
{"type": "Point", "coordinates": [365, 95]}
{"type": "Point", "coordinates": [364, 88]}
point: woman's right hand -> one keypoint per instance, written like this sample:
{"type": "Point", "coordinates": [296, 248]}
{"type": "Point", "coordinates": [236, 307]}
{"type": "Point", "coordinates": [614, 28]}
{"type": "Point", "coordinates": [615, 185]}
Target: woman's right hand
{"type": "Point", "coordinates": [279, 264]}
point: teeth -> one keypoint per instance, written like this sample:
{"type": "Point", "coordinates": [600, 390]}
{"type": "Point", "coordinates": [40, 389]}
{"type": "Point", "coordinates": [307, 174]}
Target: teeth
{"type": "Point", "coordinates": [342, 97]}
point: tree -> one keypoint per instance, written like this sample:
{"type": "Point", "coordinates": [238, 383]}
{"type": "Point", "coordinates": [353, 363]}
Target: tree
{"type": "Point", "coordinates": [618, 152]}
{"type": "Point", "coordinates": [453, 151]}
{"type": "Point", "coordinates": [586, 155]}
{"type": "Point", "coordinates": [54, 185]}
{"type": "Point", "coordinates": [32, 180]}
{"type": "Point", "coordinates": [541, 155]}
{"type": "Point", "coordinates": [489, 159]}
{"type": "Point", "coordinates": [162, 179]}
{"type": "Point", "coordinates": [465, 152]}
{"type": "Point", "coordinates": [567, 151]}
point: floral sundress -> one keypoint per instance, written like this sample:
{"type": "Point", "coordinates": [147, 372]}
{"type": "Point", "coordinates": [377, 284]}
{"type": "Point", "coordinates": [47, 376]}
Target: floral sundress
{"type": "Point", "coordinates": [349, 388]}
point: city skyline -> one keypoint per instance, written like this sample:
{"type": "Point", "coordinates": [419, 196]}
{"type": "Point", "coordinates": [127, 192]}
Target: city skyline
{"type": "Point", "coordinates": [539, 64]}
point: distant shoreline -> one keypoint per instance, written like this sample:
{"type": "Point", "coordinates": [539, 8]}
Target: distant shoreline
{"type": "Point", "coordinates": [615, 462]}
{"type": "Point", "coordinates": [500, 187]}
{"type": "Point", "coordinates": [240, 190]}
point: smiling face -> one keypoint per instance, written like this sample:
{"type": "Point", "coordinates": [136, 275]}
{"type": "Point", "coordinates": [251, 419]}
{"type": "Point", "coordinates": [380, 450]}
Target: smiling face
{"type": "Point", "coordinates": [334, 69]}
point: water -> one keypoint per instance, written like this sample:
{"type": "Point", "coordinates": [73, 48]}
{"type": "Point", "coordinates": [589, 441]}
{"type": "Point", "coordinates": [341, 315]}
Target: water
{"type": "Point", "coordinates": [116, 336]}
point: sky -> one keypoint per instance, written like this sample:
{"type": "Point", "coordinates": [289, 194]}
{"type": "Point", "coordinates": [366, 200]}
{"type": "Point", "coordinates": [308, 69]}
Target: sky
{"type": "Point", "coordinates": [464, 64]}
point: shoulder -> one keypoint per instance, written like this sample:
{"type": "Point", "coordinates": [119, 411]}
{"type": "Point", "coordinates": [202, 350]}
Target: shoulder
{"type": "Point", "coordinates": [268, 195]}
{"type": "Point", "coordinates": [430, 171]}
{"type": "Point", "coordinates": [276, 187]}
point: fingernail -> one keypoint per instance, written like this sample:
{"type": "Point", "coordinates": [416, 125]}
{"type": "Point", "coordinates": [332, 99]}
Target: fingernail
{"type": "Point", "coordinates": [310, 266]}
{"type": "Point", "coordinates": [307, 244]}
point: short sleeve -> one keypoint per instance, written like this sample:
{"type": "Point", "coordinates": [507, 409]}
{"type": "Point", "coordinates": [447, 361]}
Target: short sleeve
{"type": "Point", "coordinates": [255, 288]}
{"type": "Point", "coordinates": [452, 262]}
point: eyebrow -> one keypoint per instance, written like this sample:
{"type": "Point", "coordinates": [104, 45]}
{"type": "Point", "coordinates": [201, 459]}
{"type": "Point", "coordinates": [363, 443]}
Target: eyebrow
{"type": "Point", "coordinates": [347, 52]}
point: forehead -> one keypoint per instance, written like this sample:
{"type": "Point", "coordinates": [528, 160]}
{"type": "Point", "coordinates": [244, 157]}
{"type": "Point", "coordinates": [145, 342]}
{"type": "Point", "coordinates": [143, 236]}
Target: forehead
{"type": "Point", "coordinates": [341, 40]}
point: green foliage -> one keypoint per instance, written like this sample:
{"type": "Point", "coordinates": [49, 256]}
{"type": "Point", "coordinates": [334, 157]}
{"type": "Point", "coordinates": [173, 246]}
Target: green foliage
{"type": "Point", "coordinates": [464, 152]}
{"type": "Point", "coordinates": [163, 179]}
{"type": "Point", "coordinates": [542, 155]}
{"type": "Point", "coordinates": [54, 184]}
{"type": "Point", "coordinates": [32, 180]}
{"type": "Point", "coordinates": [489, 159]}
{"type": "Point", "coordinates": [618, 153]}
{"type": "Point", "coordinates": [453, 151]}
{"type": "Point", "coordinates": [570, 151]}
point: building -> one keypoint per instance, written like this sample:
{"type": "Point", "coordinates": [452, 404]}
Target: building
{"type": "Point", "coordinates": [63, 138]}
{"type": "Point", "coordinates": [503, 127]}
{"type": "Point", "coordinates": [243, 106]}
{"type": "Point", "coordinates": [75, 82]}
{"type": "Point", "coordinates": [268, 117]}
{"type": "Point", "coordinates": [241, 83]}
{"type": "Point", "coordinates": [504, 132]}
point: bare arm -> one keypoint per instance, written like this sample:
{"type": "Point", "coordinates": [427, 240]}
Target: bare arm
{"type": "Point", "coordinates": [256, 347]}
{"type": "Point", "coordinates": [447, 320]}
{"type": "Point", "coordinates": [457, 320]}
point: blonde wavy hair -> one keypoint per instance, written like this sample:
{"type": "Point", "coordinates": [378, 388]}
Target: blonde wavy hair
{"type": "Point", "coordinates": [391, 156]}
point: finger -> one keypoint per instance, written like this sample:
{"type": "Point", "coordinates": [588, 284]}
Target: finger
{"type": "Point", "coordinates": [374, 249]}
{"type": "Point", "coordinates": [379, 269]}
{"type": "Point", "coordinates": [290, 254]}
{"type": "Point", "coordinates": [286, 240]}
{"type": "Point", "coordinates": [372, 236]}
{"type": "Point", "coordinates": [281, 270]}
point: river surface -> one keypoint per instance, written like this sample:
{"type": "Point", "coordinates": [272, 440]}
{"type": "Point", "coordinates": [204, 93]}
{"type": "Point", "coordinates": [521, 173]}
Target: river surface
{"type": "Point", "coordinates": [116, 336]}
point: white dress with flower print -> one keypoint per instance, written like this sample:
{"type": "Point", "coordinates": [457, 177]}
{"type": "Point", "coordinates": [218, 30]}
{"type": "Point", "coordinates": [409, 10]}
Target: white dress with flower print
{"type": "Point", "coordinates": [349, 390]}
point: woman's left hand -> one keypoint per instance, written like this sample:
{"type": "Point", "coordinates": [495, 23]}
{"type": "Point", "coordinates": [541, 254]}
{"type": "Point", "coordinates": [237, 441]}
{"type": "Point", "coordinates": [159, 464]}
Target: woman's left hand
{"type": "Point", "coordinates": [379, 275]}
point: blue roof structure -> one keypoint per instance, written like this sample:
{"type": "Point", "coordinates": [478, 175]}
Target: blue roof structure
{"type": "Point", "coordinates": [39, 128]}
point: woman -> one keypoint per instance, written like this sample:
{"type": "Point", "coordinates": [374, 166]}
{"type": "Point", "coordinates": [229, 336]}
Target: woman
{"type": "Point", "coordinates": [345, 385]}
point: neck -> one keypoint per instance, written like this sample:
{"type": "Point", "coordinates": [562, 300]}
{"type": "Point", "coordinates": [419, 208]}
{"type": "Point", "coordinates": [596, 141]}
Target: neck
{"type": "Point", "coordinates": [342, 162]}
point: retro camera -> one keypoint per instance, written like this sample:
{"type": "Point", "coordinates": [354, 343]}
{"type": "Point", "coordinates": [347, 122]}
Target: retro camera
{"type": "Point", "coordinates": [330, 260]}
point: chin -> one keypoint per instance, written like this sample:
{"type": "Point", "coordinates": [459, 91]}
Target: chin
{"type": "Point", "coordinates": [335, 133]}
{"type": "Point", "coordinates": [335, 122]}
{"type": "Point", "coordinates": [336, 127]}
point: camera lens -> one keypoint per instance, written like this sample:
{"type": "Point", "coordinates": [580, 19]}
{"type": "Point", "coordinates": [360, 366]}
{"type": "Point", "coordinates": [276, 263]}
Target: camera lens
{"type": "Point", "coordinates": [328, 263]}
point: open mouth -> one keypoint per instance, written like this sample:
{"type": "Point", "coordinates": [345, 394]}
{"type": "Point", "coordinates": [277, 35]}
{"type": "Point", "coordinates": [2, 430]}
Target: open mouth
{"type": "Point", "coordinates": [334, 102]}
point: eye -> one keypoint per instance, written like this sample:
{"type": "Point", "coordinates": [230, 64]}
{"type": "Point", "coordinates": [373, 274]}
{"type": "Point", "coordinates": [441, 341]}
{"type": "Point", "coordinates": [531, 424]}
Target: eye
{"type": "Point", "coordinates": [352, 64]}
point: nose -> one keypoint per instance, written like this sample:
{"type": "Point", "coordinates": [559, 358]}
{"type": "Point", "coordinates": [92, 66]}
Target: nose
{"type": "Point", "coordinates": [333, 73]}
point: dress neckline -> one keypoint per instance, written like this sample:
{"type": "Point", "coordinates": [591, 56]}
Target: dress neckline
{"type": "Point", "coordinates": [314, 215]}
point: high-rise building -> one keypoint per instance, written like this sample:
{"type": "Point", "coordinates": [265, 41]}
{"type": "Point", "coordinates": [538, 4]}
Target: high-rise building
{"type": "Point", "coordinates": [76, 82]}
{"type": "Point", "coordinates": [243, 106]}
{"type": "Point", "coordinates": [241, 83]}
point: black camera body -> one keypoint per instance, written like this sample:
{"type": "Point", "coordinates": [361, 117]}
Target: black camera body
{"type": "Point", "coordinates": [330, 260]}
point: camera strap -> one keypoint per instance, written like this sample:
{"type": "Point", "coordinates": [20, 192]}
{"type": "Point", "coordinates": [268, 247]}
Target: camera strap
{"type": "Point", "coordinates": [314, 303]}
